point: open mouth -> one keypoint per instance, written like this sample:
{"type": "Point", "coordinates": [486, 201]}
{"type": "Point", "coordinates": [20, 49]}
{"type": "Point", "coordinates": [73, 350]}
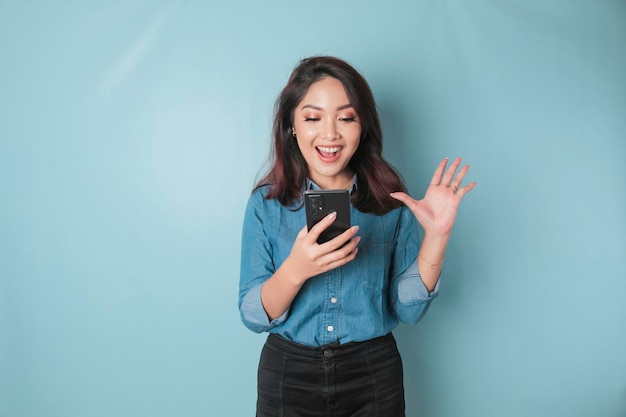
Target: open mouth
{"type": "Point", "coordinates": [328, 152]}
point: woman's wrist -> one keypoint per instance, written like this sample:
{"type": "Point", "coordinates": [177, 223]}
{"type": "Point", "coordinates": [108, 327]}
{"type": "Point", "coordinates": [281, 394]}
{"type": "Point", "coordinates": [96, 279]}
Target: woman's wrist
{"type": "Point", "coordinates": [431, 256]}
{"type": "Point", "coordinates": [292, 274]}
{"type": "Point", "coordinates": [436, 239]}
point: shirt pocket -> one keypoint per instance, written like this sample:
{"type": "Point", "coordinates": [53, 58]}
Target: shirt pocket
{"type": "Point", "coordinates": [374, 266]}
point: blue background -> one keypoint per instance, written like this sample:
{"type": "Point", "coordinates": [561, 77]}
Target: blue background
{"type": "Point", "coordinates": [131, 134]}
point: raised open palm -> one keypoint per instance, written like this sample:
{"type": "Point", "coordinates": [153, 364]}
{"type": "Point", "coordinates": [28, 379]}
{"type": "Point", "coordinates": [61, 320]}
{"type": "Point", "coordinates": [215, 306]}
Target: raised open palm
{"type": "Point", "coordinates": [436, 212]}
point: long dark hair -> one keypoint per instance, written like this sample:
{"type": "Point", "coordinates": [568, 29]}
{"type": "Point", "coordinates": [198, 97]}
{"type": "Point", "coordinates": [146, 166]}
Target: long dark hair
{"type": "Point", "coordinates": [376, 178]}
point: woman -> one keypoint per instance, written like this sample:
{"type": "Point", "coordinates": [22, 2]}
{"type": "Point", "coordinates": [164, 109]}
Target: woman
{"type": "Point", "coordinates": [330, 308]}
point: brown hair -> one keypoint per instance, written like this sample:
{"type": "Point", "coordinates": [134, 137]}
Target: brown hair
{"type": "Point", "coordinates": [376, 178]}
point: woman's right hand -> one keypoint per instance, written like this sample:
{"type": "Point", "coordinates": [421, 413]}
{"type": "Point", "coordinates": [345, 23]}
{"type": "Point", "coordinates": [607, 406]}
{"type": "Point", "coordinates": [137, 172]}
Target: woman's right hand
{"type": "Point", "coordinates": [309, 258]}
{"type": "Point", "coordinates": [306, 260]}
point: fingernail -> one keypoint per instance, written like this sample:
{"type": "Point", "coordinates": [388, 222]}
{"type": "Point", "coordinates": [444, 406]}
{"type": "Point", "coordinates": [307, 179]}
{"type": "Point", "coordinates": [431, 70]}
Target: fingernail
{"type": "Point", "coordinates": [332, 215]}
{"type": "Point", "coordinates": [355, 229]}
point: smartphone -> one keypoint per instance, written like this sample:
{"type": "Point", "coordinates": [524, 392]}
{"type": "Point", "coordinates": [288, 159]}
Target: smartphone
{"type": "Point", "coordinates": [320, 203]}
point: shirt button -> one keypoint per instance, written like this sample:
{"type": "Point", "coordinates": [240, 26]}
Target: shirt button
{"type": "Point", "coordinates": [333, 300]}
{"type": "Point", "coordinates": [330, 328]}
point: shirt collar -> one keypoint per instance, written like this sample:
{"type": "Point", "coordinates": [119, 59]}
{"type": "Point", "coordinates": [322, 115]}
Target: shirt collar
{"type": "Point", "coordinates": [311, 185]}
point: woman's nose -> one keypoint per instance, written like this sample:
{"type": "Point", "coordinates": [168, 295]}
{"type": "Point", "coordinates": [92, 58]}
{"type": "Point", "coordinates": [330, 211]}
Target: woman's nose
{"type": "Point", "coordinates": [330, 130]}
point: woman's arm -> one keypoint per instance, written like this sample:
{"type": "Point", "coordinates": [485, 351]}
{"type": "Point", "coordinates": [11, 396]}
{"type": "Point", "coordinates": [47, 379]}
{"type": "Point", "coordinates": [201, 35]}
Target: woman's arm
{"type": "Point", "coordinates": [436, 212]}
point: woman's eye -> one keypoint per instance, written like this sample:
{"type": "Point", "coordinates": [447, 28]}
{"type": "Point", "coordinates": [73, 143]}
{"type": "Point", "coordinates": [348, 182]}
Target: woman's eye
{"type": "Point", "coordinates": [311, 119]}
{"type": "Point", "coordinates": [347, 119]}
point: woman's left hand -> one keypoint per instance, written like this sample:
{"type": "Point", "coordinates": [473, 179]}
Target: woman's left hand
{"type": "Point", "coordinates": [436, 212]}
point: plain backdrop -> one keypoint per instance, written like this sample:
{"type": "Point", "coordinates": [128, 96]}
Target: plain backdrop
{"type": "Point", "coordinates": [131, 134]}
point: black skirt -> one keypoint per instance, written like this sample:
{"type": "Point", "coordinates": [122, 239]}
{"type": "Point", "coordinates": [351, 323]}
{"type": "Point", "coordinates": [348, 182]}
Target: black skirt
{"type": "Point", "coordinates": [361, 379]}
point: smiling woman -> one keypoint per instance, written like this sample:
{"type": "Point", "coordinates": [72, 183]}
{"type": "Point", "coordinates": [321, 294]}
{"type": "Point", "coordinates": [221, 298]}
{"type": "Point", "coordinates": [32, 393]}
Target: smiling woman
{"type": "Point", "coordinates": [325, 355]}
{"type": "Point", "coordinates": [130, 135]}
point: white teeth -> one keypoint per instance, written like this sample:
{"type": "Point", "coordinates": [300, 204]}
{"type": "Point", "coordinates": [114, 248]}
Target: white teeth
{"type": "Point", "coordinates": [329, 150]}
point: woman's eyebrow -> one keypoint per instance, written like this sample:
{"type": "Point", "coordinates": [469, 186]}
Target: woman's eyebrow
{"type": "Point", "coordinates": [314, 107]}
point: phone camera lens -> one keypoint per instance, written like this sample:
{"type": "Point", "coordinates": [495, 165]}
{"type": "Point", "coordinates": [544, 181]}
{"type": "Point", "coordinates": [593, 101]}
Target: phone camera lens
{"type": "Point", "coordinates": [316, 204]}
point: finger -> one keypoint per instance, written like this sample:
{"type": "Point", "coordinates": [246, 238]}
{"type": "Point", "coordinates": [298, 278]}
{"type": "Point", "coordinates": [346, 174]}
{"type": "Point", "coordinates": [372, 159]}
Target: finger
{"type": "Point", "coordinates": [339, 240]}
{"type": "Point", "coordinates": [302, 233]}
{"type": "Point", "coordinates": [341, 262]}
{"type": "Point", "coordinates": [459, 177]}
{"type": "Point", "coordinates": [464, 190]}
{"type": "Point", "coordinates": [342, 255]}
{"type": "Point", "coordinates": [402, 196]}
{"type": "Point", "coordinates": [447, 178]}
{"type": "Point", "coordinates": [405, 198]}
{"type": "Point", "coordinates": [322, 225]}
{"type": "Point", "coordinates": [436, 180]}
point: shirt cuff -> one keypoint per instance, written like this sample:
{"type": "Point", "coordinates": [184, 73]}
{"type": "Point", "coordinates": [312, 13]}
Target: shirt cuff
{"type": "Point", "coordinates": [411, 288]}
{"type": "Point", "coordinates": [253, 314]}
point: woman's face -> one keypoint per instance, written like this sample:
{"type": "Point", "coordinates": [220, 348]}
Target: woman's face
{"type": "Point", "coordinates": [328, 132]}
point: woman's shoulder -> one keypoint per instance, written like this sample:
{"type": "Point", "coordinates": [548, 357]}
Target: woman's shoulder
{"type": "Point", "coordinates": [261, 191]}
{"type": "Point", "coordinates": [260, 198]}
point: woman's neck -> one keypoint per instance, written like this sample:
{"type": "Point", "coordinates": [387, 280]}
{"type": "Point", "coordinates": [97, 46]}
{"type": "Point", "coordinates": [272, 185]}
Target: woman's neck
{"type": "Point", "coordinates": [335, 183]}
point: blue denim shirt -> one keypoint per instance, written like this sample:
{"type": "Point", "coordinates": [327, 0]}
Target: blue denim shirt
{"type": "Point", "coordinates": [361, 300]}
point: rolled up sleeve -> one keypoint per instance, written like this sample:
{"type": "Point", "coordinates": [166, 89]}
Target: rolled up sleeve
{"type": "Point", "coordinates": [253, 314]}
{"type": "Point", "coordinates": [257, 267]}
{"type": "Point", "coordinates": [408, 296]}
